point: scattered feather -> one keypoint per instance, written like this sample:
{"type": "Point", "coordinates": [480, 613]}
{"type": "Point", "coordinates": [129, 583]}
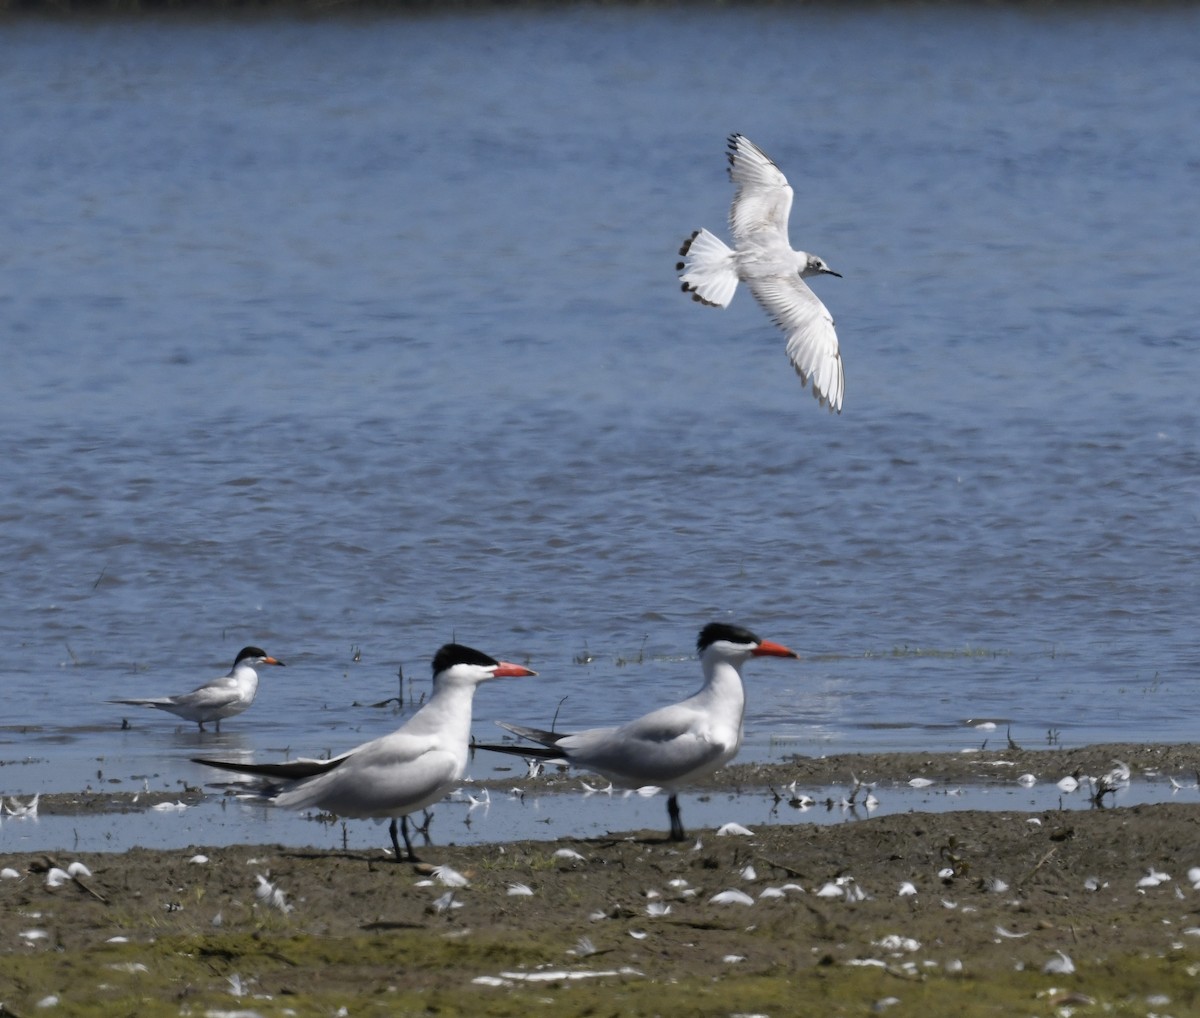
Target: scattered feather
{"type": "Point", "coordinates": [560, 975]}
{"type": "Point", "coordinates": [638, 934]}
{"type": "Point", "coordinates": [520, 891]}
{"type": "Point", "coordinates": [907, 889]}
{"type": "Point", "coordinates": [895, 942]}
{"type": "Point", "coordinates": [772, 892]}
{"type": "Point", "coordinates": [78, 869]}
{"type": "Point", "coordinates": [657, 909]}
{"type": "Point", "coordinates": [50, 1001]}
{"type": "Point", "coordinates": [830, 890]}
{"type": "Point", "coordinates": [167, 807]}
{"type": "Point", "coordinates": [595, 789]}
{"type": "Point", "coordinates": [1059, 965]}
{"type": "Point", "coordinates": [583, 947]}
{"type": "Point", "coordinates": [648, 790]}
{"type": "Point", "coordinates": [449, 877]}
{"type": "Point", "coordinates": [269, 894]}
{"type": "Point", "coordinates": [731, 897]}
{"type": "Point", "coordinates": [1026, 781]}
{"type": "Point", "coordinates": [920, 782]}
{"type": "Point", "coordinates": [17, 809]}
{"type": "Point", "coordinates": [445, 903]}
{"type": "Point", "coordinates": [733, 959]}
{"type": "Point", "coordinates": [8, 873]}
{"type": "Point", "coordinates": [995, 885]}
{"type": "Point", "coordinates": [749, 873]}
{"type": "Point", "coordinates": [725, 830]}
{"type": "Point", "coordinates": [31, 936]}
{"type": "Point", "coordinates": [1153, 878]}
{"type": "Point", "coordinates": [198, 860]}
{"type": "Point", "coordinates": [1008, 934]}
{"type": "Point", "coordinates": [568, 853]}
{"type": "Point", "coordinates": [1068, 784]}
{"type": "Point", "coordinates": [57, 877]}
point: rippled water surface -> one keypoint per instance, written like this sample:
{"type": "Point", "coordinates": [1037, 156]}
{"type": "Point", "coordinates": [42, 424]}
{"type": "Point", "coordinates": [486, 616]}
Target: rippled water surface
{"type": "Point", "coordinates": [350, 337]}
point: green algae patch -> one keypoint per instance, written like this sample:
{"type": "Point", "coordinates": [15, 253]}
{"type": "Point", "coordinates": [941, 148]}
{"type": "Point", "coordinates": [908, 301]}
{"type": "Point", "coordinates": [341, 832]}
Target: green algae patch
{"type": "Point", "coordinates": [415, 974]}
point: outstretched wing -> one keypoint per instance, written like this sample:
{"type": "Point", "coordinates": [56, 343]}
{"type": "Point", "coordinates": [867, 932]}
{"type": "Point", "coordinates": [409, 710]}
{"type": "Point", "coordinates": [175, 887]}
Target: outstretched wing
{"type": "Point", "coordinates": [812, 343]}
{"type": "Point", "coordinates": [763, 199]}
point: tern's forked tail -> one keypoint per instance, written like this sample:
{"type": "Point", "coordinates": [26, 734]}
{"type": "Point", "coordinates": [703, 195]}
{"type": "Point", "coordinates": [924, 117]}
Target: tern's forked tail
{"type": "Point", "coordinates": [708, 271]}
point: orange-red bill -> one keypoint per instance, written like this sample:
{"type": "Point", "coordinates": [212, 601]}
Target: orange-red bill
{"type": "Point", "coordinates": [507, 669]}
{"type": "Point", "coordinates": [768, 648]}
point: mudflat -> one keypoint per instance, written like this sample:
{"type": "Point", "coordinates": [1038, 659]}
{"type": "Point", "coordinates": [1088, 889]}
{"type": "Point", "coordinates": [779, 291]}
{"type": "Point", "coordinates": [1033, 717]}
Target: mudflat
{"type": "Point", "coordinates": [955, 913]}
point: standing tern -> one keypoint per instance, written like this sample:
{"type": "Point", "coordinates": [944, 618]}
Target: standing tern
{"type": "Point", "coordinates": [396, 774]}
{"type": "Point", "coordinates": [762, 258]}
{"type": "Point", "coordinates": [672, 746]}
{"type": "Point", "coordinates": [222, 698]}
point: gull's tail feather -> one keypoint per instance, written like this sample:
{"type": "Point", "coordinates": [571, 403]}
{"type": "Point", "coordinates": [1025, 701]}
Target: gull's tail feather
{"type": "Point", "coordinates": [708, 271]}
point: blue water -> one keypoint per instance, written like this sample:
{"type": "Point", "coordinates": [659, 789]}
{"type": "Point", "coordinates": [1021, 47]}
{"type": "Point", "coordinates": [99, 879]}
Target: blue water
{"type": "Point", "coordinates": [350, 336]}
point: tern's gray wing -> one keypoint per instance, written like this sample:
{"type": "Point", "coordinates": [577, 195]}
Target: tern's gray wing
{"type": "Point", "coordinates": [763, 199]}
{"type": "Point", "coordinates": [212, 696]}
{"type": "Point", "coordinates": [812, 343]}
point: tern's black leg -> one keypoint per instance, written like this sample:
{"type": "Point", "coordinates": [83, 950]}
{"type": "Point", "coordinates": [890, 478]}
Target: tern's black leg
{"type": "Point", "coordinates": [408, 854]}
{"type": "Point", "coordinates": [677, 831]}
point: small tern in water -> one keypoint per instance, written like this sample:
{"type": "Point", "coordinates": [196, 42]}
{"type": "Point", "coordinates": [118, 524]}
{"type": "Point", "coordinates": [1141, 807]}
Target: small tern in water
{"type": "Point", "coordinates": [672, 746]}
{"type": "Point", "coordinates": [397, 774]}
{"type": "Point", "coordinates": [762, 258]}
{"type": "Point", "coordinates": [222, 698]}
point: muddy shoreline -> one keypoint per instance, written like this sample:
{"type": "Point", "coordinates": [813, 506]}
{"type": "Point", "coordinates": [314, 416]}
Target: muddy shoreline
{"type": "Point", "coordinates": [966, 913]}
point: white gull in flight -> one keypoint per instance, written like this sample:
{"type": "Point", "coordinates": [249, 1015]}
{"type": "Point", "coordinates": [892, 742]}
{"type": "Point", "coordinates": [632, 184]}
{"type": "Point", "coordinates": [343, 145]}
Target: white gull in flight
{"type": "Point", "coordinates": [763, 259]}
